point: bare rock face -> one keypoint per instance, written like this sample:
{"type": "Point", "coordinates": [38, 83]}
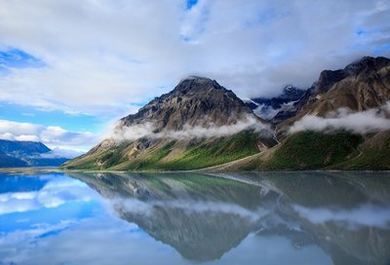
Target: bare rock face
{"type": "Point", "coordinates": [195, 101]}
{"type": "Point", "coordinates": [360, 86]}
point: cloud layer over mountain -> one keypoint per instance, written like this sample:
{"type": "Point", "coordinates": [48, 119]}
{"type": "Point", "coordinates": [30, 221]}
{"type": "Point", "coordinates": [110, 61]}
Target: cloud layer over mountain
{"type": "Point", "coordinates": [101, 56]}
{"type": "Point", "coordinates": [372, 120]}
{"type": "Point", "coordinates": [188, 132]}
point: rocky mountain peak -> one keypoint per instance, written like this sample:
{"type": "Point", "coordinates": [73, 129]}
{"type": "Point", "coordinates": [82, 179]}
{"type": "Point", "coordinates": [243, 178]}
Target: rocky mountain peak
{"type": "Point", "coordinates": [328, 78]}
{"type": "Point", "coordinates": [195, 101]}
{"type": "Point", "coordinates": [367, 64]}
{"type": "Point", "coordinates": [362, 67]}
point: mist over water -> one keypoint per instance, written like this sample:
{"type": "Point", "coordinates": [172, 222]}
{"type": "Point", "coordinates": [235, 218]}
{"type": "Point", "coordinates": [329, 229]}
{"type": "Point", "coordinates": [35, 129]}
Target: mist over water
{"type": "Point", "coordinates": [187, 218]}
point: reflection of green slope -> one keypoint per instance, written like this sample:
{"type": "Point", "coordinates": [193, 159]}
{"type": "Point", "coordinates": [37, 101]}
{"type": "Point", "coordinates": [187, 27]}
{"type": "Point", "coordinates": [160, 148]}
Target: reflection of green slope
{"type": "Point", "coordinates": [329, 189]}
{"type": "Point", "coordinates": [319, 189]}
{"type": "Point", "coordinates": [174, 186]}
{"type": "Point", "coordinates": [207, 235]}
{"type": "Point", "coordinates": [335, 191]}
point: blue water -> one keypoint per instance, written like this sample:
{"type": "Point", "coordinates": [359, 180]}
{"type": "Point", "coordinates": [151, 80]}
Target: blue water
{"type": "Point", "coordinates": [265, 218]}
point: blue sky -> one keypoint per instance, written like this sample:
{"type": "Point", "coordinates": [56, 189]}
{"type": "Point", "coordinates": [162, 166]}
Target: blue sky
{"type": "Point", "coordinates": [69, 69]}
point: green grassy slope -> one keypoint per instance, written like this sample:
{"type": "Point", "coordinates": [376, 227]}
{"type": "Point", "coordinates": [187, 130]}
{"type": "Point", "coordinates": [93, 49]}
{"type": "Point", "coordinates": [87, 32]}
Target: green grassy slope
{"type": "Point", "coordinates": [301, 151]}
{"type": "Point", "coordinates": [374, 153]}
{"type": "Point", "coordinates": [195, 155]}
{"type": "Point", "coordinates": [313, 150]}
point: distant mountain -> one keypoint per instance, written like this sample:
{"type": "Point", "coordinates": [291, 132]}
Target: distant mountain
{"type": "Point", "coordinates": [10, 161]}
{"type": "Point", "coordinates": [26, 154]}
{"type": "Point", "coordinates": [277, 108]}
{"type": "Point", "coordinates": [200, 124]}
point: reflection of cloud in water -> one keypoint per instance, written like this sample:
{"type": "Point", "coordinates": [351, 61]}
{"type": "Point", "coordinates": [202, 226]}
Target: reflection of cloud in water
{"type": "Point", "coordinates": [189, 206]}
{"type": "Point", "coordinates": [36, 231]}
{"type": "Point", "coordinates": [111, 241]}
{"type": "Point", "coordinates": [55, 193]}
{"type": "Point", "coordinates": [365, 215]}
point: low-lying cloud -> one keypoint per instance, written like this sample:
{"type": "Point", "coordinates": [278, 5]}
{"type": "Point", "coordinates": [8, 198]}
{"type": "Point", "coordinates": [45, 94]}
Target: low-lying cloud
{"type": "Point", "coordinates": [61, 153]}
{"type": "Point", "coordinates": [189, 132]}
{"type": "Point", "coordinates": [365, 215]}
{"type": "Point", "coordinates": [372, 120]}
{"type": "Point", "coordinates": [188, 206]}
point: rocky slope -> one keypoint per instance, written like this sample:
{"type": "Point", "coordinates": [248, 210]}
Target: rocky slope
{"type": "Point", "coordinates": [360, 86]}
{"type": "Point", "coordinates": [200, 124]}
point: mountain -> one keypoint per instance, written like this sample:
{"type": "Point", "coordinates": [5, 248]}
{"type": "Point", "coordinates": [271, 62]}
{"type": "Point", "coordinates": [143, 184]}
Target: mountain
{"type": "Point", "coordinates": [195, 101]}
{"type": "Point", "coordinates": [200, 124]}
{"type": "Point", "coordinates": [361, 87]}
{"type": "Point", "coordinates": [10, 161]}
{"type": "Point", "coordinates": [27, 153]}
{"type": "Point", "coordinates": [277, 108]}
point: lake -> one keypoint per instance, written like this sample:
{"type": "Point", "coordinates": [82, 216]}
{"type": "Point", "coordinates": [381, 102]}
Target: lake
{"type": "Point", "coordinates": [189, 218]}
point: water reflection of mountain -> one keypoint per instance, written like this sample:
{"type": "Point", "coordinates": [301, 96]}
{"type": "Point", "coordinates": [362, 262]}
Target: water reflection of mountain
{"type": "Point", "coordinates": [204, 217]}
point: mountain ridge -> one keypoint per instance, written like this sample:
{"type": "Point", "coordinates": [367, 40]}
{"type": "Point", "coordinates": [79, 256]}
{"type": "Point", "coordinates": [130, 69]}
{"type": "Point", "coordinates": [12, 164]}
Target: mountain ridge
{"type": "Point", "coordinates": [198, 102]}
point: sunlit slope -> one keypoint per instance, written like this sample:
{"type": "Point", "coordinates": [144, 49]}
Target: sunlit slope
{"type": "Point", "coordinates": [315, 150]}
{"type": "Point", "coordinates": [170, 154]}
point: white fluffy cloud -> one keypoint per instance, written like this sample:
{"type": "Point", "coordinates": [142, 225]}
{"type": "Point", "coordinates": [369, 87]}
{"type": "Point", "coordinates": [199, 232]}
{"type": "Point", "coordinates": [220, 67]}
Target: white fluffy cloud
{"type": "Point", "coordinates": [102, 55]}
{"type": "Point", "coordinates": [189, 132]}
{"type": "Point", "coordinates": [372, 120]}
{"type": "Point", "coordinates": [53, 136]}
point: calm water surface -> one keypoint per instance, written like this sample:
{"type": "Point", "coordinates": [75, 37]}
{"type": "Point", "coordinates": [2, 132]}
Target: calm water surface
{"type": "Point", "coordinates": [266, 218]}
